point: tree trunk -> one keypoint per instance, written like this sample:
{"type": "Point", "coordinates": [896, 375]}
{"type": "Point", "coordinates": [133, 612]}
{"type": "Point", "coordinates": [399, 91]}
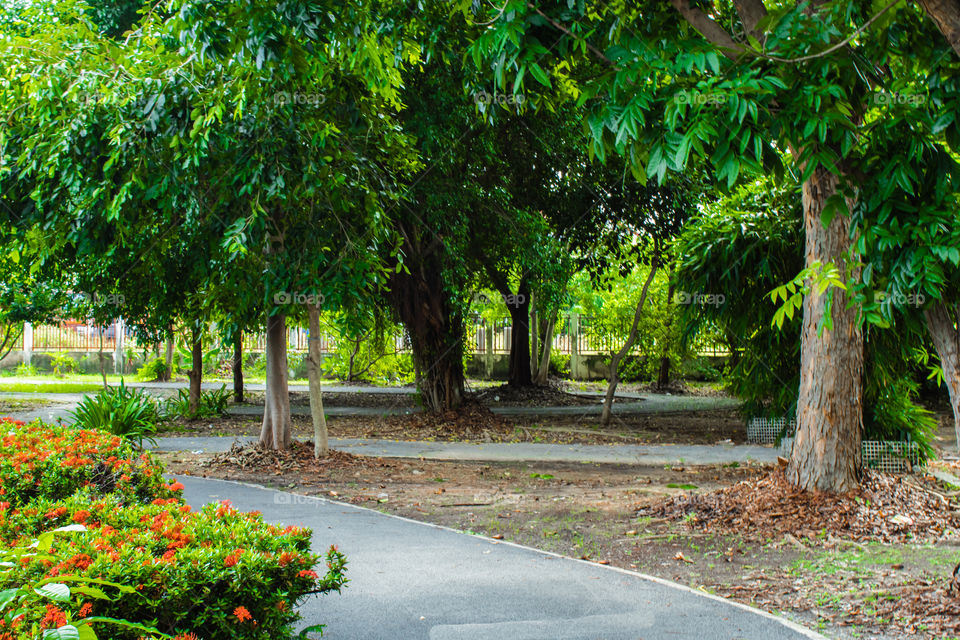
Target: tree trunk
{"type": "Point", "coordinates": [614, 375]}
{"type": "Point", "coordinates": [946, 13]}
{"type": "Point", "coordinates": [663, 375]}
{"type": "Point", "coordinates": [534, 337]}
{"type": "Point", "coordinates": [195, 374]}
{"type": "Point", "coordinates": [275, 431]}
{"type": "Point", "coordinates": [238, 367]}
{"type": "Point", "coordinates": [826, 453]}
{"type": "Point", "coordinates": [520, 374]}
{"type": "Point", "coordinates": [943, 329]}
{"type": "Point", "coordinates": [543, 369]}
{"type": "Point", "coordinates": [103, 368]}
{"type": "Point", "coordinates": [168, 359]}
{"type": "Point", "coordinates": [320, 443]}
{"type": "Point", "coordinates": [436, 331]}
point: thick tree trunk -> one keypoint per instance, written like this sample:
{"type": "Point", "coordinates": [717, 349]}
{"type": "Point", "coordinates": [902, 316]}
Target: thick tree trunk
{"type": "Point", "coordinates": [238, 367]}
{"type": "Point", "coordinates": [945, 333]}
{"type": "Point", "coordinates": [195, 375]}
{"type": "Point", "coordinates": [275, 430]}
{"type": "Point", "coordinates": [946, 13]}
{"type": "Point", "coordinates": [614, 374]}
{"type": "Point", "coordinates": [826, 453]}
{"type": "Point", "coordinates": [320, 442]}
{"type": "Point", "coordinates": [435, 328]}
{"type": "Point", "coordinates": [543, 369]}
{"type": "Point", "coordinates": [519, 307]}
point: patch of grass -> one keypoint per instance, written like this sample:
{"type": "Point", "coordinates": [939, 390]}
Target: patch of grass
{"type": "Point", "coordinates": [541, 476]}
{"type": "Point", "coordinates": [22, 404]}
{"type": "Point", "coordinates": [49, 387]}
{"type": "Point", "coordinates": [685, 487]}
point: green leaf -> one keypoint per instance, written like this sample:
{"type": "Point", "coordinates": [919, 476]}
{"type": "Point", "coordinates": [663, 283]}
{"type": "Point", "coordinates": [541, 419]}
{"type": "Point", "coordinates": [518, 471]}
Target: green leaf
{"type": "Point", "coordinates": [7, 596]}
{"type": "Point", "coordinates": [56, 591]}
{"type": "Point", "coordinates": [68, 632]}
{"type": "Point", "coordinates": [539, 74]}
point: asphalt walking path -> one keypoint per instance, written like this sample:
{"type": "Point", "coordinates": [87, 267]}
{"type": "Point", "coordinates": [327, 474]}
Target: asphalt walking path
{"type": "Point", "coordinates": [413, 581]}
{"type": "Point", "coordinates": [641, 455]}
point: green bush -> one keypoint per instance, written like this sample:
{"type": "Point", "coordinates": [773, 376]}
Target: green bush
{"type": "Point", "coordinates": [25, 370]}
{"type": "Point", "coordinates": [62, 364]}
{"type": "Point", "coordinates": [217, 573]}
{"type": "Point", "coordinates": [152, 370]}
{"type": "Point", "coordinates": [130, 413]}
{"type": "Point", "coordinates": [212, 403]}
{"type": "Point", "coordinates": [560, 364]}
{"type": "Point", "coordinates": [39, 461]}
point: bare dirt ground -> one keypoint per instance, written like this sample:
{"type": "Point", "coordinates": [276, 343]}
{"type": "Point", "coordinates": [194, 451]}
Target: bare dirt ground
{"type": "Point", "coordinates": [735, 531]}
{"type": "Point", "coordinates": [477, 425]}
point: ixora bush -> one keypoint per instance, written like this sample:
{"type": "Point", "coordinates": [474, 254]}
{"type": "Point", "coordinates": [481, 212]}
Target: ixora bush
{"type": "Point", "coordinates": [217, 573]}
{"type": "Point", "coordinates": [130, 560]}
{"type": "Point", "coordinates": [54, 462]}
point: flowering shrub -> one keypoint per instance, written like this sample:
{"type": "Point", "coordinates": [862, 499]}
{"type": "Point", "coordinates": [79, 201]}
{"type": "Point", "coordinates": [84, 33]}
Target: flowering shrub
{"type": "Point", "coordinates": [217, 573]}
{"type": "Point", "coordinates": [138, 562]}
{"type": "Point", "coordinates": [45, 461]}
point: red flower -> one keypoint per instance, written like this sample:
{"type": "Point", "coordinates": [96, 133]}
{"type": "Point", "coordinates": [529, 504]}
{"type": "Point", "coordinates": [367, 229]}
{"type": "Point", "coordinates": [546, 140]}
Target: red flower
{"type": "Point", "coordinates": [54, 619]}
{"type": "Point", "coordinates": [85, 610]}
{"type": "Point", "coordinates": [56, 513]}
{"type": "Point", "coordinates": [242, 614]}
{"type": "Point", "coordinates": [231, 560]}
{"type": "Point", "coordinates": [307, 573]}
{"type": "Point", "coordinates": [81, 516]}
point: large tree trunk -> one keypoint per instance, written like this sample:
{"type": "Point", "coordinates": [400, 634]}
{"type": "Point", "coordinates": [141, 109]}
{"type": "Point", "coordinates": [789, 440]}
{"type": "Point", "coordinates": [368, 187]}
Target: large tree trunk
{"type": "Point", "coordinates": [614, 375]}
{"type": "Point", "coordinates": [436, 329]}
{"type": "Point", "coordinates": [519, 307]}
{"type": "Point", "coordinates": [543, 368]}
{"type": "Point", "coordinates": [275, 431]}
{"type": "Point", "coordinates": [945, 333]}
{"type": "Point", "coordinates": [320, 443]}
{"type": "Point", "coordinates": [946, 13]}
{"type": "Point", "coordinates": [238, 367]}
{"type": "Point", "coordinates": [826, 453]}
{"type": "Point", "coordinates": [195, 375]}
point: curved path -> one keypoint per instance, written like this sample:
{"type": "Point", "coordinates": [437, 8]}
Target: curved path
{"type": "Point", "coordinates": [639, 454]}
{"type": "Point", "coordinates": [418, 581]}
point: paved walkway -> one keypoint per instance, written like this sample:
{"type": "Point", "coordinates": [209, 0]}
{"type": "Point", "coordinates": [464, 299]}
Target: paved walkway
{"type": "Point", "coordinates": [415, 581]}
{"type": "Point", "coordinates": [645, 455]}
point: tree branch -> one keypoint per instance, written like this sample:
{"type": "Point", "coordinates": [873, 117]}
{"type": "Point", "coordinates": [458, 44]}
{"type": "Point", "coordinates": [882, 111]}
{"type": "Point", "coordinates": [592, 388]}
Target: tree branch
{"type": "Point", "coordinates": [946, 14]}
{"type": "Point", "coordinates": [751, 12]}
{"type": "Point", "coordinates": [708, 28]}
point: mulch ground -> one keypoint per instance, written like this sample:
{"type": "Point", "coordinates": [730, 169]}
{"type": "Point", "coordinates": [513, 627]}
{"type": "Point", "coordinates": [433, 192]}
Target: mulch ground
{"type": "Point", "coordinates": [551, 395]}
{"type": "Point", "coordinates": [886, 508]}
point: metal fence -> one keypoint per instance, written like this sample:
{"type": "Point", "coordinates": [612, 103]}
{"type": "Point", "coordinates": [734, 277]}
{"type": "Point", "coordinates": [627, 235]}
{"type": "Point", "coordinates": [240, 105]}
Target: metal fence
{"type": "Point", "coordinates": [572, 334]}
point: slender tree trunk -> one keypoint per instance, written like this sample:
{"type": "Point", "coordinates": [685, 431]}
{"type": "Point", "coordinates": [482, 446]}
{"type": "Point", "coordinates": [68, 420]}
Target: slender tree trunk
{"type": "Point", "coordinates": [945, 333]}
{"type": "Point", "coordinates": [320, 442]}
{"type": "Point", "coordinates": [168, 359]}
{"type": "Point", "coordinates": [238, 367]}
{"type": "Point", "coordinates": [543, 369]}
{"type": "Point", "coordinates": [534, 337]}
{"type": "Point", "coordinates": [275, 431]}
{"type": "Point", "coordinates": [663, 375]}
{"type": "Point", "coordinates": [826, 453]}
{"type": "Point", "coordinates": [196, 369]}
{"type": "Point", "coordinates": [103, 367]}
{"type": "Point", "coordinates": [520, 374]}
{"type": "Point", "coordinates": [614, 375]}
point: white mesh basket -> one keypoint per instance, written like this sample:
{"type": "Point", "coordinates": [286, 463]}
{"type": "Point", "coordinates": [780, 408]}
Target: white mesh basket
{"type": "Point", "coordinates": [767, 430]}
